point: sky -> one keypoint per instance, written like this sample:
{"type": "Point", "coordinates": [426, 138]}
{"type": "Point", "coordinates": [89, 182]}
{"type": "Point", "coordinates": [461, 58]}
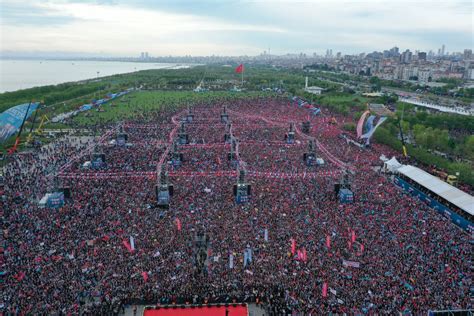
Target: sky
{"type": "Point", "coordinates": [231, 27]}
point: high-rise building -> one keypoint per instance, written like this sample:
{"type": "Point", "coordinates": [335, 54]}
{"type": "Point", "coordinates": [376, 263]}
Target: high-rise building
{"type": "Point", "coordinates": [142, 55]}
{"type": "Point", "coordinates": [146, 55]}
{"type": "Point", "coordinates": [469, 74]}
{"type": "Point", "coordinates": [405, 57]}
{"type": "Point", "coordinates": [467, 54]}
{"type": "Point", "coordinates": [443, 50]}
{"type": "Point", "coordinates": [394, 51]}
{"type": "Point", "coordinates": [422, 56]}
{"type": "Point", "coordinates": [338, 55]}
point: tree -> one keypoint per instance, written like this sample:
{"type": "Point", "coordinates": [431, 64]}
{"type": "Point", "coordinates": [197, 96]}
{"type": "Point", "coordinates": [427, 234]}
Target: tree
{"type": "Point", "coordinates": [419, 134]}
{"type": "Point", "coordinates": [469, 148]}
{"type": "Point", "coordinates": [442, 139]}
{"type": "Point", "coordinates": [375, 80]}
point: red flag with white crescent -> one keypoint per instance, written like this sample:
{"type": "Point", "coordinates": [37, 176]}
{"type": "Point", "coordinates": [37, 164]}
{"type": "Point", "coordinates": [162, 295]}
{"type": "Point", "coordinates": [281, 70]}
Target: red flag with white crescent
{"type": "Point", "coordinates": [239, 69]}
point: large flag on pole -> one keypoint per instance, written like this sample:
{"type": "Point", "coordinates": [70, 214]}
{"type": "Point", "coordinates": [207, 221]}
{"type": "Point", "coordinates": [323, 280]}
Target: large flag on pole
{"type": "Point", "coordinates": [239, 69]}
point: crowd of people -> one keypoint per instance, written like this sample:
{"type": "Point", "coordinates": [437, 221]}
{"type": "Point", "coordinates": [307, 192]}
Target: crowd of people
{"type": "Point", "coordinates": [109, 245]}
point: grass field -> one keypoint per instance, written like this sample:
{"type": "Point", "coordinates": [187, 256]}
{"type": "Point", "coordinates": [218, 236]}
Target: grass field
{"type": "Point", "coordinates": [137, 104]}
{"type": "Point", "coordinates": [134, 105]}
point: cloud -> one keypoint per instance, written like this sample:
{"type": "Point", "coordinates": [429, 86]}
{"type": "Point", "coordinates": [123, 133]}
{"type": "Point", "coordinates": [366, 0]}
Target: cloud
{"type": "Point", "coordinates": [125, 29]}
{"type": "Point", "coordinates": [119, 27]}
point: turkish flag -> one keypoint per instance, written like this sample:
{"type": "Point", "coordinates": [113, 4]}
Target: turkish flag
{"type": "Point", "coordinates": [239, 69]}
{"type": "Point", "coordinates": [145, 276]}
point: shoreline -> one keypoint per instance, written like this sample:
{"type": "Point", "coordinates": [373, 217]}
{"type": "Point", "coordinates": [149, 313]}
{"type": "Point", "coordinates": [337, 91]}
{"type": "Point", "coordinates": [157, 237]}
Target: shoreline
{"type": "Point", "coordinates": [43, 70]}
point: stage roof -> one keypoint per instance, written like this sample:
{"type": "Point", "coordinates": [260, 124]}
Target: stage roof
{"type": "Point", "coordinates": [451, 194]}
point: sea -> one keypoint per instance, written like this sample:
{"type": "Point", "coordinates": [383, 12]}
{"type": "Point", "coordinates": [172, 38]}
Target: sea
{"type": "Point", "coordinates": [23, 74]}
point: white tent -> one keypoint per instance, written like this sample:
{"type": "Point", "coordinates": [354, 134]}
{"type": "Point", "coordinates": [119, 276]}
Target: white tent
{"type": "Point", "coordinates": [391, 165]}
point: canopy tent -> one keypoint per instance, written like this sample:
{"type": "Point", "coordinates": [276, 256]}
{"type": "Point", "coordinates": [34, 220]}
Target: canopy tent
{"type": "Point", "coordinates": [391, 165]}
{"type": "Point", "coordinates": [451, 194]}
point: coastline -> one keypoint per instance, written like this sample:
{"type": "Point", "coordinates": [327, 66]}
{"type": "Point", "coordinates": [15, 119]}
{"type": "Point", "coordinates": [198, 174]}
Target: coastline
{"type": "Point", "coordinates": [20, 74]}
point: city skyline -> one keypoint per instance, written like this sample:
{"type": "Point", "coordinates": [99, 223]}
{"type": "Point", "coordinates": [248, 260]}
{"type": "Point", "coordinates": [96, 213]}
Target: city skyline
{"type": "Point", "coordinates": [118, 28]}
{"type": "Point", "coordinates": [145, 55]}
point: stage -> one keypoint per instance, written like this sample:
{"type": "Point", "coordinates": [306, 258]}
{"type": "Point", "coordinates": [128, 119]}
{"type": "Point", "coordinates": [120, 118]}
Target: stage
{"type": "Point", "coordinates": [210, 310]}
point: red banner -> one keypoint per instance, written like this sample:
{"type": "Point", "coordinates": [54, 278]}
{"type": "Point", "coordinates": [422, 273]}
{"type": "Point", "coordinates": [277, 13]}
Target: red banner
{"type": "Point", "coordinates": [178, 224]}
{"type": "Point", "coordinates": [145, 276]}
{"type": "Point", "coordinates": [127, 245]}
{"type": "Point", "coordinates": [325, 289]}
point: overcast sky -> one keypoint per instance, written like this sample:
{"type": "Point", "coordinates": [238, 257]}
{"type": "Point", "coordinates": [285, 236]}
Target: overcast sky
{"type": "Point", "coordinates": [226, 27]}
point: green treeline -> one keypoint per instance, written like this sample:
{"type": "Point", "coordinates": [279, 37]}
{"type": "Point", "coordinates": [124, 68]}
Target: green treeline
{"type": "Point", "coordinates": [442, 140]}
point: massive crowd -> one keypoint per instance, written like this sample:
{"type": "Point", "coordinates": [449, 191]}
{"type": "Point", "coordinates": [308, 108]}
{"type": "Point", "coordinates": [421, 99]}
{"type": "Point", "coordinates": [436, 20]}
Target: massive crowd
{"type": "Point", "coordinates": [386, 253]}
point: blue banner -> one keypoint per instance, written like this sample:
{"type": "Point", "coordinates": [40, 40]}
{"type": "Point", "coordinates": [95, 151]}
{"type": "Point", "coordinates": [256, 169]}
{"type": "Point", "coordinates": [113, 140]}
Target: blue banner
{"type": "Point", "coordinates": [11, 119]}
{"type": "Point", "coordinates": [442, 209]}
{"type": "Point", "coordinates": [370, 123]}
{"type": "Point", "coordinates": [369, 134]}
{"type": "Point", "coordinates": [300, 102]}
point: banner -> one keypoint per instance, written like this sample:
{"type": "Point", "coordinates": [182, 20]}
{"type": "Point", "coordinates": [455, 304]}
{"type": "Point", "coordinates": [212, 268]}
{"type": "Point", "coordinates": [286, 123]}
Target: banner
{"type": "Point", "coordinates": [361, 123]}
{"type": "Point", "coordinates": [127, 245]}
{"type": "Point", "coordinates": [189, 174]}
{"type": "Point", "coordinates": [178, 224]}
{"type": "Point", "coordinates": [325, 289]}
{"type": "Point", "coordinates": [132, 243]}
{"type": "Point", "coordinates": [328, 242]}
{"type": "Point", "coordinates": [145, 276]}
{"type": "Point", "coordinates": [293, 246]}
{"type": "Point", "coordinates": [231, 261]}
{"type": "Point", "coordinates": [265, 234]}
{"type": "Point", "coordinates": [369, 134]}
{"type": "Point", "coordinates": [20, 276]}
{"type": "Point", "coordinates": [247, 256]}
{"type": "Point", "coordinates": [370, 123]}
{"type": "Point", "coordinates": [11, 119]}
{"type": "Point", "coordinates": [353, 264]}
